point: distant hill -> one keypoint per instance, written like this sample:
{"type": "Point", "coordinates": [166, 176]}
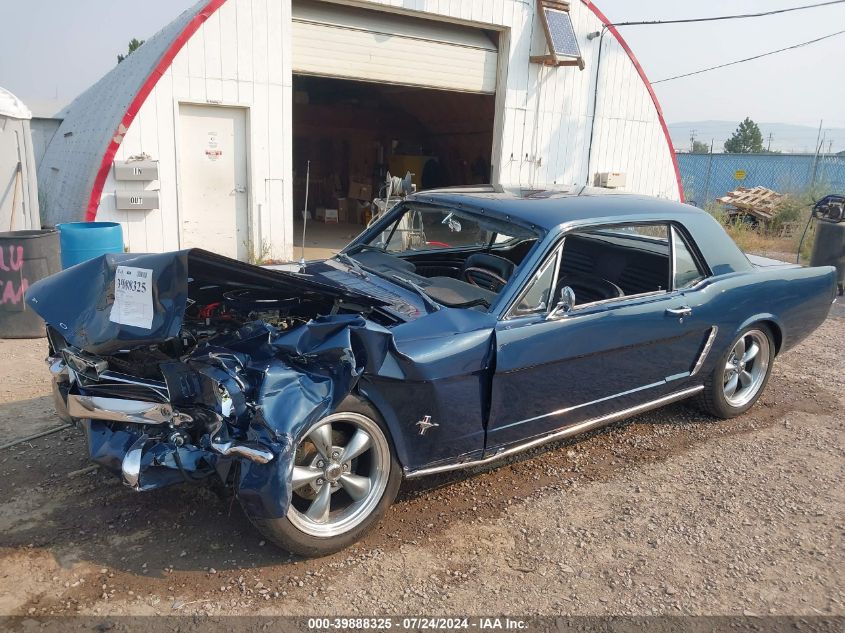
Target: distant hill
{"type": "Point", "coordinates": [785, 137]}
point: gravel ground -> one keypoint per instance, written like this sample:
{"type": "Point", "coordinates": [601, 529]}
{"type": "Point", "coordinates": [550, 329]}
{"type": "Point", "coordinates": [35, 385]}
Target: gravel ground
{"type": "Point", "coordinates": [669, 513]}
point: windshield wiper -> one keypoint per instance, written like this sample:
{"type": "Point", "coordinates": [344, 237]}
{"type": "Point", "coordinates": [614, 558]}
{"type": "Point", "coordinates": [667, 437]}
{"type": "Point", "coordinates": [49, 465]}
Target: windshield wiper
{"type": "Point", "coordinates": [429, 302]}
{"type": "Point", "coordinates": [354, 266]}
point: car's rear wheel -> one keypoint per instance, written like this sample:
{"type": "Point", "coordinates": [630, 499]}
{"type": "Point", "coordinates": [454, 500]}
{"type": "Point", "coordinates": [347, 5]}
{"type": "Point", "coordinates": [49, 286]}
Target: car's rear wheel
{"type": "Point", "coordinates": [740, 375]}
{"type": "Point", "coordinates": [345, 476]}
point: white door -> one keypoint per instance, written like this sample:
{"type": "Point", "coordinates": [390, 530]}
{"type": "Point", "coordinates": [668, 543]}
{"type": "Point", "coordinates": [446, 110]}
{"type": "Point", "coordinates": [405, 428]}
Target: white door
{"type": "Point", "coordinates": [214, 206]}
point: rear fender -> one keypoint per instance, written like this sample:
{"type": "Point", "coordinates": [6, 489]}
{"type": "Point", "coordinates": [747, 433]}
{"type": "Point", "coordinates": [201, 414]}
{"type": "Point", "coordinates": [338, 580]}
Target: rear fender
{"type": "Point", "coordinates": [769, 319]}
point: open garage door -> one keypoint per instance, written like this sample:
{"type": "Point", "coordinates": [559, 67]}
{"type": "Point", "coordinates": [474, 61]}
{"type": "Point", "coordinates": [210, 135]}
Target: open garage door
{"type": "Point", "coordinates": [344, 42]}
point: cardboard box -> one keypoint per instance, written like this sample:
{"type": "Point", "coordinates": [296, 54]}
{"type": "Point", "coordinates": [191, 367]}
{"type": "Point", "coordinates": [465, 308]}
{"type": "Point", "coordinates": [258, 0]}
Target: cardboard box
{"type": "Point", "coordinates": [329, 216]}
{"type": "Point", "coordinates": [360, 190]}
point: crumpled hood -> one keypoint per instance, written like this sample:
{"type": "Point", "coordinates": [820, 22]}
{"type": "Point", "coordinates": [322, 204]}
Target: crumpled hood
{"type": "Point", "coordinates": [280, 381]}
{"type": "Point", "coordinates": [101, 309]}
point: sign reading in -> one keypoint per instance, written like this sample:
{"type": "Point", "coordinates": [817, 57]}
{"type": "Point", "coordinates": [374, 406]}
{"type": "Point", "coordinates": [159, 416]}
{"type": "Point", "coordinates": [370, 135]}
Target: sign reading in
{"type": "Point", "coordinates": [136, 170]}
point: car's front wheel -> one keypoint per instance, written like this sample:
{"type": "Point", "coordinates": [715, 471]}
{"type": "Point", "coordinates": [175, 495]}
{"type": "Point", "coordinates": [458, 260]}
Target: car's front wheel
{"type": "Point", "coordinates": [345, 476]}
{"type": "Point", "coordinates": [740, 375]}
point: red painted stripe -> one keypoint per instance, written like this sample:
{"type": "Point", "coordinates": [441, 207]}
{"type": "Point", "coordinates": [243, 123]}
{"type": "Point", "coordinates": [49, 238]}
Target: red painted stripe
{"type": "Point", "coordinates": [135, 106]}
{"type": "Point", "coordinates": [209, 9]}
{"type": "Point", "coordinates": [601, 16]}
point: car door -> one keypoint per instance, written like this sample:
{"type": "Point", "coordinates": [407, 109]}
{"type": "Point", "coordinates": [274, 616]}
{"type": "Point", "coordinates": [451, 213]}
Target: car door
{"type": "Point", "coordinates": [557, 369]}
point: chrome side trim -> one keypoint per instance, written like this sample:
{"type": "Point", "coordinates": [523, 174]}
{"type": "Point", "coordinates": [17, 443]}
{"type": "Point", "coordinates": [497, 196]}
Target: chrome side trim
{"type": "Point", "coordinates": [591, 402]}
{"type": "Point", "coordinates": [119, 410]}
{"type": "Point", "coordinates": [706, 350]}
{"type": "Point", "coordinates": [575, 429]}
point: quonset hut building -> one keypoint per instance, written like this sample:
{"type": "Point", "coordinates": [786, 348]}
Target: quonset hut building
{"type": "Point", "coordinates": [201, 136]}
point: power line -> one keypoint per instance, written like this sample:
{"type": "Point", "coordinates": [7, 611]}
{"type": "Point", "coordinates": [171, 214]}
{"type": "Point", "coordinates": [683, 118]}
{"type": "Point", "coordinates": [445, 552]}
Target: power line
{"type": "Point", "coordinates": [740, 16]}
{"type": "Point", "coordinates": [748, 59]}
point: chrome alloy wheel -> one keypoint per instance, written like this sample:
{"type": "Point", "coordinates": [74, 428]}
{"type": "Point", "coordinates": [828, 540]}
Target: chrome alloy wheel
{"type": "Point", "coordinates": [339, 475]}
{"type": "Point", "coordinates": [746, 368]}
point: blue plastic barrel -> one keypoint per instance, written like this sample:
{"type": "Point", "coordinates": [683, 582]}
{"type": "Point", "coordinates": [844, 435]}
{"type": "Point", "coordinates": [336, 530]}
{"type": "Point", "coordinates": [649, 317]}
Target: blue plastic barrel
{"type": "Point", "coordinates": [81, 241]}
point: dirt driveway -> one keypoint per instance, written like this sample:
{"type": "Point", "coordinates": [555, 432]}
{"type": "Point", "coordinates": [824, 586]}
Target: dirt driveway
{"type": "Point", "coordinates": [670, 513]}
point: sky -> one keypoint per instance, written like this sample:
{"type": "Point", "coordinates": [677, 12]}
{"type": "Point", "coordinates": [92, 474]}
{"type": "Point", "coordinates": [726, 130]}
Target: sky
{"type": "Point", "coordinates": [58, 48]}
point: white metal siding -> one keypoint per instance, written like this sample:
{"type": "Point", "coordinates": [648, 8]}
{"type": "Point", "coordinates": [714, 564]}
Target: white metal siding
{"type": "Point", "coordinates": [242, 56]}
{"type": "Point", "coordinates": [69, 166]}
{"type": "Point", "coordinates": [547, 113]}
{"type": "Point", "coordinates": [18, 189]}
{"type": "Point", "coordinates": [235, 58]}
{"type": "Point", "coordinates": [335, 41]}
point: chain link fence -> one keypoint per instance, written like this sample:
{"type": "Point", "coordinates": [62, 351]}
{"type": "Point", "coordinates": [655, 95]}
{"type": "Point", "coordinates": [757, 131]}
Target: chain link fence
{"type": "Point", "coordinates": [709, 176]}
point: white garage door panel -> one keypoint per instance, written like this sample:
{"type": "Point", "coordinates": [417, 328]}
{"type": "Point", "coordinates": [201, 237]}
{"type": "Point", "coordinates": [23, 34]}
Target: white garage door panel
{"type": "Point", "coordinates": [372, 46]}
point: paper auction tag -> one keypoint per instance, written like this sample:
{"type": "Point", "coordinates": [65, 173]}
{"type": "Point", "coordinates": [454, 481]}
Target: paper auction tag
{"type": "Point", "coordinates": [133, 297]}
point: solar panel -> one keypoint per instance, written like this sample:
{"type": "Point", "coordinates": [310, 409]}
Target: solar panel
{"type": "Point", "coordinates": [563, 35]}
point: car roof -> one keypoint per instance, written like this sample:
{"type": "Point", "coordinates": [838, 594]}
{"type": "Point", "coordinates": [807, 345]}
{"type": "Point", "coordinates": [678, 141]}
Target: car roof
{"type": "Point", "coordinates": [549, 209]}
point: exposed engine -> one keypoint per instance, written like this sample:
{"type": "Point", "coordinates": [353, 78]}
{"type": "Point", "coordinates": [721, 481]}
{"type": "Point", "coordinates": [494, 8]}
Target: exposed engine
{"type": "Point", "coordinates": [190, 395]}
{"type": "Point", "coordinates": [204, 322]}
{"type": "Point", "coordinates": [202, 365]}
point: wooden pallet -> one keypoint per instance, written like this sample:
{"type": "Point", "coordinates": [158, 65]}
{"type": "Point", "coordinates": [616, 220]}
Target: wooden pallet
{"type": "Point", "coordinates": [760, 202]}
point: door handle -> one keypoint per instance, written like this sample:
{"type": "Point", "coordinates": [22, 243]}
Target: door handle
{"type": "Point", "coordinates": [680, 312]}
{"type": "Point", "coordinates": [239, 189]}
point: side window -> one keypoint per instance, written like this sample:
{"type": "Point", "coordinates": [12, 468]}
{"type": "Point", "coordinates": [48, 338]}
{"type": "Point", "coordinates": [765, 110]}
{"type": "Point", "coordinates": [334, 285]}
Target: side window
{"type": "Point", "coordinates": [536, 297]}
{"type": "Point", "coordinates": [616, 261]}
{"type": "Point", "coordinates": [687, 271]}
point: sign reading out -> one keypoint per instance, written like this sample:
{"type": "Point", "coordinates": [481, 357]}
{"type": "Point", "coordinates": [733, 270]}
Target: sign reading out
{"type": "Point", "coordinates": [136, 200]}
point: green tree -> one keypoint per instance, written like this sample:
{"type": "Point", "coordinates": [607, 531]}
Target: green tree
{"type": "Point", "coordinates": [134, 45]}
{"type": "Point", "coordinates": [747, 139]}
{"type": "Point", "coordinates": [700, 147]}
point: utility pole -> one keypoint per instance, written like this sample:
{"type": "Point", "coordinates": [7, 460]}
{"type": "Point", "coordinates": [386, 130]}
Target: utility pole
{"type": "Point", "coordinates": [819, 141]}
{"type": "Point", "coordinates": [769, 146]}
{"type": "Point", "coordinates": [709, 171]}
{"type": "Point", "coordinates": [692, 134]}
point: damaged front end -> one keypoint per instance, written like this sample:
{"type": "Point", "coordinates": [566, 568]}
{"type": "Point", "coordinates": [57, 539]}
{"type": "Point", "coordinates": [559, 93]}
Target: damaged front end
{"type": "Point", "coordinates": [158, 432]}
{"type": "Point", "coordinates": [184, 365]}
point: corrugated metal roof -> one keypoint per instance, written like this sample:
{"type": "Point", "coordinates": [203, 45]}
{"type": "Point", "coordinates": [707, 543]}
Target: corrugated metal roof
{"type": "Point", "coordinates": [93, 120]}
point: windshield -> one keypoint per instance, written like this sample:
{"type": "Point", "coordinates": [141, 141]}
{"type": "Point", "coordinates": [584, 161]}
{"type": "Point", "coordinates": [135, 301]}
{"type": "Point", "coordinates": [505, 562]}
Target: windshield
{"type": "Point", "coordinates": [460, 258]}
{"type": "Point", "coordinates": [431, 228]}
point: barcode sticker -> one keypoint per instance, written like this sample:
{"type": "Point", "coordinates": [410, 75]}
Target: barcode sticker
{"type": "Point", "coordinates": [133, 297]}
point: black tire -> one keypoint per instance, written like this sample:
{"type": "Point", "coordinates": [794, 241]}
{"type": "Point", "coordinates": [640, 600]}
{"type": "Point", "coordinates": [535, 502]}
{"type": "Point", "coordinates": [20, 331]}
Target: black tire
{"type": "Point", "coordinates": [713, 399]}
{"type": "Point", "coordinates": [284, 533]}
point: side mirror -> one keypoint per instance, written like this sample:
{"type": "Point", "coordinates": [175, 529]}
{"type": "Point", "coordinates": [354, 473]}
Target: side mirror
{"type": "Point", "coordinates": [566, 302]}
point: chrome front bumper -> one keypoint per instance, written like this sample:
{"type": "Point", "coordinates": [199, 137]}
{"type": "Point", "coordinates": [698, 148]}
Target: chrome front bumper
{"type": "Point", "coordinates": [120, 410]}
{"type": "Point", "coordinates": [73, 407]}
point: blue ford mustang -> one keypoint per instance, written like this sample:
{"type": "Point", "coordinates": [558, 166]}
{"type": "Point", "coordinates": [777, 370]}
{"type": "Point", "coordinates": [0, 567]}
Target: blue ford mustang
{"type": "Point", "coordinates": [461, 327]}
